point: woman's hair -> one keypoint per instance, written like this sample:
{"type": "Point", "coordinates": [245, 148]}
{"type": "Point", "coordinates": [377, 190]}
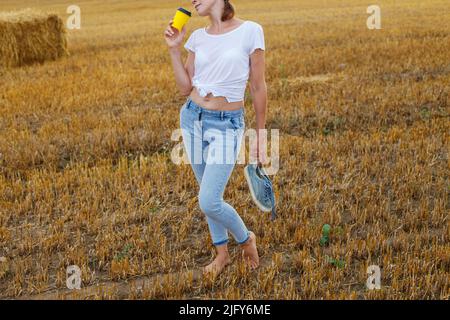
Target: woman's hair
{"type": "Point", "coordinates": [228, 11]}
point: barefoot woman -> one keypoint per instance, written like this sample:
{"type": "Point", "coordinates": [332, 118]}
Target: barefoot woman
{"type": "Point", "coordinates": [221, 59]}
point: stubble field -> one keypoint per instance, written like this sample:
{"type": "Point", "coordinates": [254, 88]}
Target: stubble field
{"type": "Point", "coordinates": [86, 176]}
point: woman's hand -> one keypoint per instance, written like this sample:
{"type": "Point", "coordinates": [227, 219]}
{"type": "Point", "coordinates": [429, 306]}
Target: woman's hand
{"type": "Point", "coordinates": [258, 148]}
{"type": "Point", "coordinates": [173, 36]}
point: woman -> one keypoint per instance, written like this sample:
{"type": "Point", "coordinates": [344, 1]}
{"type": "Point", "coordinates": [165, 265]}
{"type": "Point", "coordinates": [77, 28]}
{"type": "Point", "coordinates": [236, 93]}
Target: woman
{"type": "Point", "coordinates": [221, 59]}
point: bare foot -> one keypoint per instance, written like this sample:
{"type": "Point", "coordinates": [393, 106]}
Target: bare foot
{"type": "Point", "coordinates": [217, 265]}
{"type": "Point", "coordinates": [249, 251]}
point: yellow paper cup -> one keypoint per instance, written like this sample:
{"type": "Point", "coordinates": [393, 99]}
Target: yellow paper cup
{"type": "Point", "coordinates": [181, 17]}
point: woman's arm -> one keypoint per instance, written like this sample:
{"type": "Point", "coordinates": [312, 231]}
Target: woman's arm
{"type": "Point", "coordinates": [258, 91]}
{"type": "Point", "coordinates": [183, 73]}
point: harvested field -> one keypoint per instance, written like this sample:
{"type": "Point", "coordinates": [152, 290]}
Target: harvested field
{"type": "Point", "coordinates": [86, 176]}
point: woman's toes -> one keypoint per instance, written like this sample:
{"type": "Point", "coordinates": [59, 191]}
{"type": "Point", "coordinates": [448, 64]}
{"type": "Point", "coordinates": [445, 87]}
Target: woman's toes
{"type": "Point", "coordinates": [217, 265]}
{"type": "Point", "coordinates": [250, 252]}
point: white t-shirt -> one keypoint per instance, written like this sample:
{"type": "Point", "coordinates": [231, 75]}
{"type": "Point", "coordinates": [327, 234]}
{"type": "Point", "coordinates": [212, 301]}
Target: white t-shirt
{"type": "Point", "coordinates": [222, 61]}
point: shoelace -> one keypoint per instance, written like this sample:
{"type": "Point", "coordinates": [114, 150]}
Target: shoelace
{"type": "Point", "coordinates": [268, 192]}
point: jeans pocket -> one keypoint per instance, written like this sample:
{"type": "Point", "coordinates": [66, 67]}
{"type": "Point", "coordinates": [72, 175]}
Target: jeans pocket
{"type": "Point", "coordinates": [237, 122]}
{"type": "Point", "coordinates": [183, 107]}
{"type": "Point", "coordinates": [187, 115]}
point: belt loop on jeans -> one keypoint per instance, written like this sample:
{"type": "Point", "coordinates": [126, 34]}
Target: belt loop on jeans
{"type": "Point", "coordinates": [221, 115]}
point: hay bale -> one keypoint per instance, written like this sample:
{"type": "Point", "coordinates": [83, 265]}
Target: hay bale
{"type": "Point", "coordinates": [29, 36]}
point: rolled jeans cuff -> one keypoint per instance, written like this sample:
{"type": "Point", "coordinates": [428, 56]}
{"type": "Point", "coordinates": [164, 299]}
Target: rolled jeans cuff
{"type": "Point", "coordinates": [220, 242]}
{"type": "Point", "coordinates": [248, 236]}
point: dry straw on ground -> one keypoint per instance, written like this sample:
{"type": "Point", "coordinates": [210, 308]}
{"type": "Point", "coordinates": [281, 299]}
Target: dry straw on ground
{"type": "Point", "coordinates": [86, 176]}
{"type": "Point", "coordinates": [29, 36]}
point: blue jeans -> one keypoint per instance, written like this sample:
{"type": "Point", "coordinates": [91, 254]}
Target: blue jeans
{"type": "Point", "coordinates": [212, 141]}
